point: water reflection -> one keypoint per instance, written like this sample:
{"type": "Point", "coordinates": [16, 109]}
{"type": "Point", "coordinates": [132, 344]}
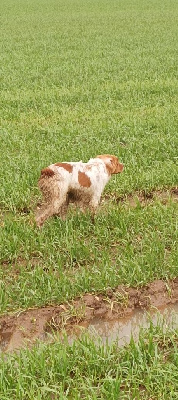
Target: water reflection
{"type": "Point", "coordinates": [123, 328]}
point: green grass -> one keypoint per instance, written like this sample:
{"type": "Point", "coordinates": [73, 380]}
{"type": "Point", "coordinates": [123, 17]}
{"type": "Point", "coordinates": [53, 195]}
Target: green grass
{"type": "Point", "coordinates": [80, 78]}
{"type": "Point", "coordinates": [125, 245]}
{"type": "Point", "coordinates": [144, 370]}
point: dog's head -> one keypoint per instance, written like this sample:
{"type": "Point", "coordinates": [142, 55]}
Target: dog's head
{"type": "Point", "coordinates": [112, 163]}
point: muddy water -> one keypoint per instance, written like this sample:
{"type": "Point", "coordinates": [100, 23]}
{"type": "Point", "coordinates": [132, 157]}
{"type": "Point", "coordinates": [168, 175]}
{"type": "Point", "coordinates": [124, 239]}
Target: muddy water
{"type": "Point", "coordinates": [122, 329]}
{"type": "Point", "coordinates": [29, 329]}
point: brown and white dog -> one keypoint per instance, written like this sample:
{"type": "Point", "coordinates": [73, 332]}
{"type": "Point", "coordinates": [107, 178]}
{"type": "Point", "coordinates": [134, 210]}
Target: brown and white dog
{"type": "Point", "coordinates": [75, 182]}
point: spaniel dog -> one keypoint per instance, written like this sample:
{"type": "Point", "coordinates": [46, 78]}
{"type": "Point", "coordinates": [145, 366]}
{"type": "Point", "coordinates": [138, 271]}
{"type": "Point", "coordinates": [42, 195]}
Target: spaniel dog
{"type": "Point", "coordinates": [75, 182]}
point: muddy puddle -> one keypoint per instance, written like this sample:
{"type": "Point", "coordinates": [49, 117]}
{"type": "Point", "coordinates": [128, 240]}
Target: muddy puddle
{"type": "Point", "coordinates": [114, 315]}
{"type": "Point", "coordinates": [123, 329]}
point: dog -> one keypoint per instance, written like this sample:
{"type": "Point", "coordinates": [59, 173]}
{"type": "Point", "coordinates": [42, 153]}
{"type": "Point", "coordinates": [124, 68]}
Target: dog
{"type": "Point", "coordinates": [75, 182]}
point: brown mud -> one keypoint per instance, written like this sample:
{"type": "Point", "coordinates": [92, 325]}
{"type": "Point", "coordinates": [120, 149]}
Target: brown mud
{"type": "Point", "coordinates": [25, 327]}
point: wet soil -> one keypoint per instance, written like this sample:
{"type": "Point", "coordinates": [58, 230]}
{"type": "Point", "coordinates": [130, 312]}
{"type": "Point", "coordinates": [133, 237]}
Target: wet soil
{"type": "Point", "coordinates": [122, 329]}
{"type": "Point", "coordinates": [25, 327]}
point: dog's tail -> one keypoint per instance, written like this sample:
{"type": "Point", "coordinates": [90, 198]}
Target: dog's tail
{"type": "Point", "coordinates": [47, 173]}
{"type": "Point", "coordinates": [49, 183]}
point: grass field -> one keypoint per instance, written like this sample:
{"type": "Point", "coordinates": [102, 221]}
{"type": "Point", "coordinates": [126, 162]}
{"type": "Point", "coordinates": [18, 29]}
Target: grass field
{"type": "Point", "coordinates": [80, 78]}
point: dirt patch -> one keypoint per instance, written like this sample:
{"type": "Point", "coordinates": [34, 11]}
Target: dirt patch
{"type": "Point", "coordinates": [27, 326]}
{"type": "Point", "coordinates": [144, 198]}
{"type": "Point", "coordinates": [132, 199]}
{"type": "Point", "coordinates": [22, 263]}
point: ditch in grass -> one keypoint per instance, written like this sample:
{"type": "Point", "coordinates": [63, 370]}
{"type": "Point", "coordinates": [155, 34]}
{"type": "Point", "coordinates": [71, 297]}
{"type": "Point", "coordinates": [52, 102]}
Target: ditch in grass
{"type": "Point", "coordinates": [119, 307]}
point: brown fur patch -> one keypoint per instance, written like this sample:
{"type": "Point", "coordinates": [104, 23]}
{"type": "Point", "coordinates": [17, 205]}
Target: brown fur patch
{"type": "Point", "coordinates": [109, 169]}
{"type": "Point", "coordinates": [47, 172]}
{"type": "Point", "coordinates": [66, 166]}
{"type": "Point", "coordinates": [83, 179]}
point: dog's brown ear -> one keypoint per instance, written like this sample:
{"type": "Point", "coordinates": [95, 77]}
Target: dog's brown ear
{"type": "Point", "coordinates": [106, 158]}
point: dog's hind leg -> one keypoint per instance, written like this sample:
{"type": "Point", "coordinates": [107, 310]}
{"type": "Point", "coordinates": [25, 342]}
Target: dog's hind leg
{"type": "Point", "coordinates": [62, 208]}
{"type": "Point", "coordinates": [44, 213]}
{"type": "Point", "coordinates": [54, 198]}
